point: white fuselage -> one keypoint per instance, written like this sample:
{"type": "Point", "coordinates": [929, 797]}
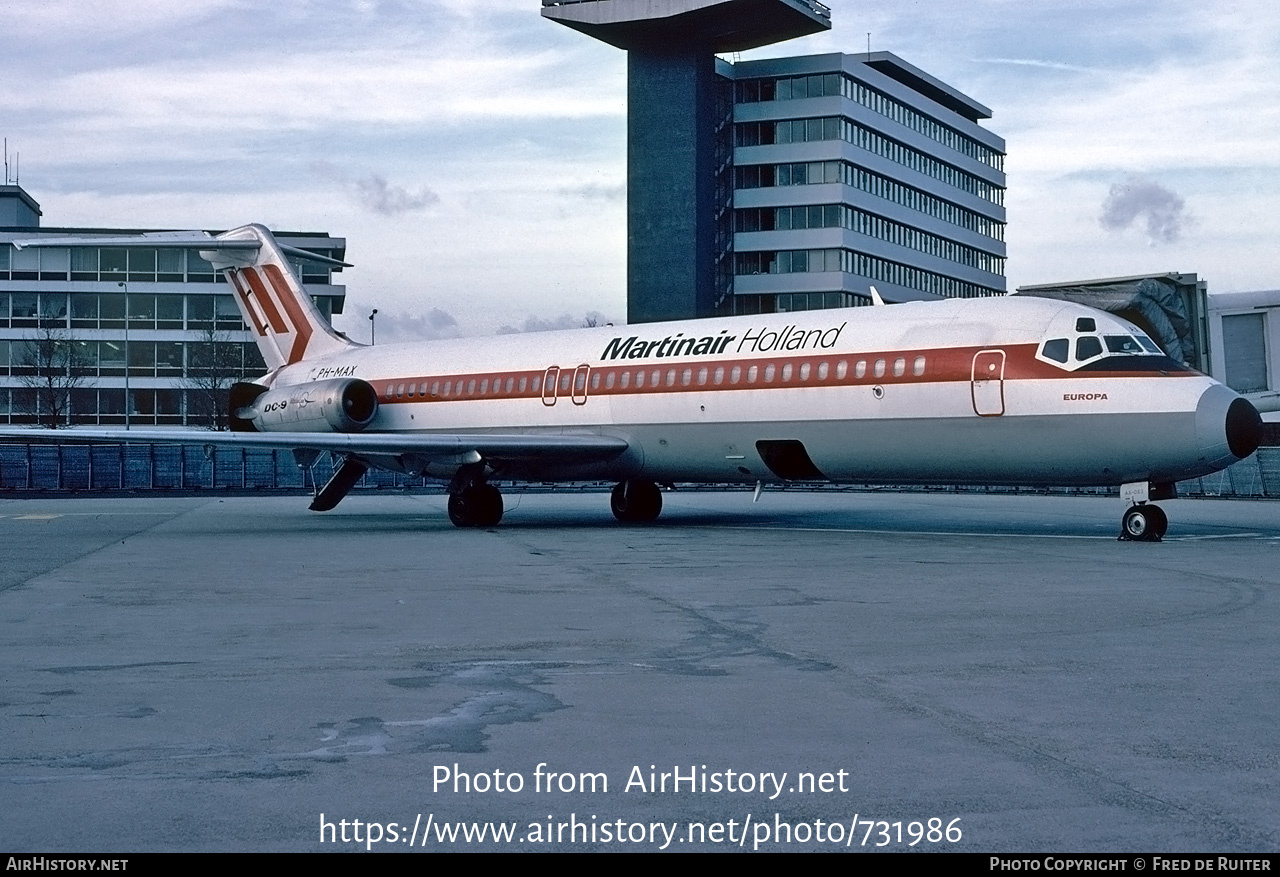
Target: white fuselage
{"type": "Point", "coordinates": [952, 391]}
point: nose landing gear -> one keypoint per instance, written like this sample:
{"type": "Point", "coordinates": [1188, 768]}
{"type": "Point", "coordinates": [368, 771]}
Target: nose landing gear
{"type": "Point", "coordinates": [1142, 521]}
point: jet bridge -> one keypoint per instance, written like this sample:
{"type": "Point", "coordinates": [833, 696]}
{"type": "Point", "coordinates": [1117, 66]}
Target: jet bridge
{"type": "Point", "coordinates": [1172, 308]}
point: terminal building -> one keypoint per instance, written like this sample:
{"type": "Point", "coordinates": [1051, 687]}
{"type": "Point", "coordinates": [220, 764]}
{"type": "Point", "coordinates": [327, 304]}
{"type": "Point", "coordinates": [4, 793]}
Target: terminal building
{"type": "Point", "coordinates": [145, 336]}
{"type": "Point", "coordinates": [791, 183]}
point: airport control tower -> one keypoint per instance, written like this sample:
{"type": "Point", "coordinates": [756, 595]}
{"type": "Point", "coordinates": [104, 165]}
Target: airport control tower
{"type": "Point", "coordinates": [679, 127]}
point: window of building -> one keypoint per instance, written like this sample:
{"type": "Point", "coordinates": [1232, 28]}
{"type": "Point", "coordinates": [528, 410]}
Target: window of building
{"type": "Point", "coordinates": [227, 314]}
{"type": "Point", "coordinates": [142, 264]}
{"type": "Point", "coordinates": [198, 270]}
{"type": "Point", "coordinates": [113, 262]}
{"type": "Point", "coordinates": [169, 311]}
{"type": "Point", "coordinates": [758, 176]}
{"type": "Point", "coordinates": [841, 84]}
{"type": "Point", "coordinates": [169, 359]}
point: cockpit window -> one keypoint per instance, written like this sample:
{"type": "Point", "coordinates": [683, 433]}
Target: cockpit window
{"type": "Point", "coordinates": [1087, 347]}
{"type": "Point", "coordinates": [1122, 344]}
{"type": "Point", "coordinates": [1057, 349]}
{"type": "Point", "coordinates": [1148, 345]}
{"type": "Point", "coordinates": [1086, 324]}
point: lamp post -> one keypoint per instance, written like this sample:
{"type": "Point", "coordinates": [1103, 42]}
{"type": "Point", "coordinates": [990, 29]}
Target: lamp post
{"type": "Point", "coordinates": [373, 335]}
{"type": "Point", "coordinates": [125, 286]}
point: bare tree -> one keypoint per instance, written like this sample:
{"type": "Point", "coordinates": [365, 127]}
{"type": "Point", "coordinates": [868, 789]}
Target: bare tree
{"type": "Point", "coordinates": [51, 365]}
{"type": "Point", "coordinates": [214, 363]}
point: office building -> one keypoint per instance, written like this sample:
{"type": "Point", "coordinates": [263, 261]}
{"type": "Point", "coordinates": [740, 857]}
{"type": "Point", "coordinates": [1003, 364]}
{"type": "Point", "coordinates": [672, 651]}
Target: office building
{"type": "Point", "coordinates": [157, 322]}
{"type": "Point", "coordinates": [791, 183]}
{"type": "Point", "coordinates": [852, 171]}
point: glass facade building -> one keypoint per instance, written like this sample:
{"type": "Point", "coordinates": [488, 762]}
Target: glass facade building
{"type": "Point", "coordinates": [852, 171]}
{"type": "Point", "coordinates": [159, 321]}
{"type": "Point", "coordinates": [791, 183]}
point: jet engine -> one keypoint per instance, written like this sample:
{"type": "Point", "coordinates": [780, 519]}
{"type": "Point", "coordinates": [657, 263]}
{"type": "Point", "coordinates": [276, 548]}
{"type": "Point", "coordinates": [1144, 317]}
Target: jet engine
{"type": "Point", "coordinates": [338, 405]}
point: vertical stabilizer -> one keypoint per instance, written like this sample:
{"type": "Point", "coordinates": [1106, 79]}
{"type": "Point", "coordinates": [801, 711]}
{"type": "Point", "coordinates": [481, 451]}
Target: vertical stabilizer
{"type": "Point", "coordinates": [284, 320]}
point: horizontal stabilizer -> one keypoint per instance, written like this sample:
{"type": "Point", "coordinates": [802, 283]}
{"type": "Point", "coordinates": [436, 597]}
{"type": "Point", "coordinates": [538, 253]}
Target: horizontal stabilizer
{"type": "Point", "coordinates": [175, 240]}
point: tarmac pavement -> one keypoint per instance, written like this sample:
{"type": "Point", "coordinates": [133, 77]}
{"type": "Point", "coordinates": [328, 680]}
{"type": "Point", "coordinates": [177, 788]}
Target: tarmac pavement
{"type": "Point", "coordinates": [204, 673]}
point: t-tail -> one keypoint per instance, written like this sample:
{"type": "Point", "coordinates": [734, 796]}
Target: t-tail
{"type": "Point", "coordinates": [284, 320]}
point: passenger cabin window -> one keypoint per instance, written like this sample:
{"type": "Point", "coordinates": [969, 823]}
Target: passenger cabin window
{"type": "Point", "coordinates": [1057, 349]}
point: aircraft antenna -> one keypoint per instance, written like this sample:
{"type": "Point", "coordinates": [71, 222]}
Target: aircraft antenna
{"type": "Point", "coordinates": [868, 45]}
{"type": "Point", "coordinates": [6, 161]}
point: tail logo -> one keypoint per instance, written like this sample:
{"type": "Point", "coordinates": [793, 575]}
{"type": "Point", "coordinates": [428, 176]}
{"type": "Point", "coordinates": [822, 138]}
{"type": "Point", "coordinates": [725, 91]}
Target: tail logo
{"type": "Point", "coordinates": [261, 307]}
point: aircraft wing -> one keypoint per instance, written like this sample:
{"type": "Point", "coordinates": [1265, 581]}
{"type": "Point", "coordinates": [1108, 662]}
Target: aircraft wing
{"type": "Point", "coordinates": [569, 448]}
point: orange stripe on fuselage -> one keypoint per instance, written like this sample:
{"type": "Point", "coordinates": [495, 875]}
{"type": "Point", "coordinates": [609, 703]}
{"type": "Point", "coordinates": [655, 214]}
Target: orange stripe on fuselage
{"type": "Point", "coordinates": [294, 309]}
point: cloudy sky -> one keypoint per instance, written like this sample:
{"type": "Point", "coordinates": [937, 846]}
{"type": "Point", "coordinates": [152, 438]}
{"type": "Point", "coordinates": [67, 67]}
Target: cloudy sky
{"type": "Point", "coordinates": [473, 154]}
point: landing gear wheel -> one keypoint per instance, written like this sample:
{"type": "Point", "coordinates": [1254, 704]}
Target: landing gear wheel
{"type": "Point", "coordinates": [1144, 523]}
{"type": "Point", "coordinates": [1160, 521]}
{"type": "Point", "coordinates": [479, 505]}
{"type": "Point", "coordinates": [636, 502]}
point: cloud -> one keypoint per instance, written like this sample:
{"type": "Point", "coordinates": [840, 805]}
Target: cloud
{"type": "Point", "coordinates": [1164, 209]}
{"type": "Point", "coordinates": [434, 325]}
{"type": "Point", "coordinates": [597, 192]}
{"type": "Point", "coordinates": [376, 194]}
{"type": "Point", "coordinates": [564, 321]}
{"type": "Point", "coordinates": [1039, 63]}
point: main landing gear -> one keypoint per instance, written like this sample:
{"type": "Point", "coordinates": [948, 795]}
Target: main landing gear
{"type": "Point", "coordinates": [636, 502]}
{"type": "Point", "coordinates": [476, 505]}
{"type": "Point", "coordinates": [1142, 521]}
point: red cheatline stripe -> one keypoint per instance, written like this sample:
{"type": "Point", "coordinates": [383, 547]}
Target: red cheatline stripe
{"type": "Point", "coordinates": [293, 308]}
{"type": "Point", "coordinates": [264, 298]}
{"type": "Point", "coordinates": [948, 365]}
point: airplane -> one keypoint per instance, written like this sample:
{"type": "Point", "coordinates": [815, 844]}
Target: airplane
{"type": "Point", "coordinates": [999, 391]}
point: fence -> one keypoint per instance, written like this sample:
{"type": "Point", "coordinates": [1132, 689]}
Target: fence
{"type": "Point", "coordinates": [98, 468]}
{"type": "Point", "coordinates": [168, 467]}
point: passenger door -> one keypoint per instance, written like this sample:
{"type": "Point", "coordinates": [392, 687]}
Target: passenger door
{"type": "Point", "coordinates": [987, 383]}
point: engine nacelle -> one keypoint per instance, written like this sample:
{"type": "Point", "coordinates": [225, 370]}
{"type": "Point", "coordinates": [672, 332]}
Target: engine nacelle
{"type": "Point", "coordinates": [338, 405]}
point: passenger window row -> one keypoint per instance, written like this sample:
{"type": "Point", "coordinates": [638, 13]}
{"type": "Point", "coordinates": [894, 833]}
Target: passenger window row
{"type": "Point", "coordinates": [649, 378]}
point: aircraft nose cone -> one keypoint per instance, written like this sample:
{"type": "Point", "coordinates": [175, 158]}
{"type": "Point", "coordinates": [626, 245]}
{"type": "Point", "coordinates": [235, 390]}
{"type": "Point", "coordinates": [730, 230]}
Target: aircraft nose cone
{"type": "Point", "coordinates": [1244, 428]}
{"type": "Point", "coordinates": [1228, 428]}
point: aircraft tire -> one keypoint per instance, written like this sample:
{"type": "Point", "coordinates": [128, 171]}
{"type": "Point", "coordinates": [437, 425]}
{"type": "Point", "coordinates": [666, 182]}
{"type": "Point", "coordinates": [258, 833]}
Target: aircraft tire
{"type": "Point", "coordinates": [1143, 523]}
{"type": "Point", "coordinates": [636, 502]}
{"type": "Point", "coordinates": [1160, 521]}
{"type": "Point", "coordinates": [479, 505]}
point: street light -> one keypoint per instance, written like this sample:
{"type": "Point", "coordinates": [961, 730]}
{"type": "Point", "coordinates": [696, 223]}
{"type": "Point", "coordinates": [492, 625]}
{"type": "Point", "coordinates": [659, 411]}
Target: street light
{"type": "Point", "coordinates": [373, 335]}
{"type": "Point", "coordinates": [125, 286]}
